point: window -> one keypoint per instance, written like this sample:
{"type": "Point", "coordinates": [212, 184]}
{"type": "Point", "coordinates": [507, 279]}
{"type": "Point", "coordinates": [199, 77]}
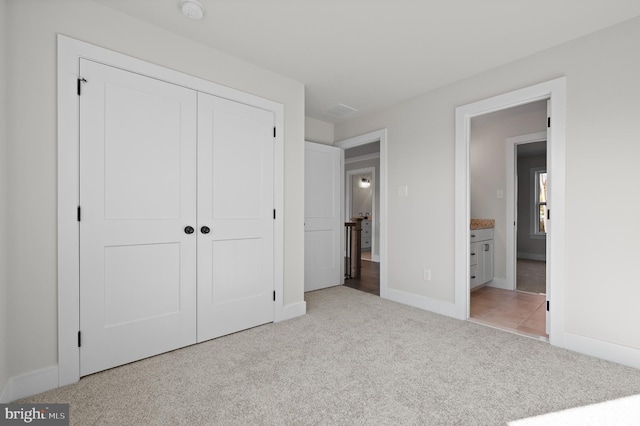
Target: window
{"type": "Point", "coordinates": [539, 202]}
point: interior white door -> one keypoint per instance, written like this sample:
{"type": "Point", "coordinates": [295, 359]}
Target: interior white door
{"type": "Point", "coordinates": [235, 216]}
{"type": "Point", "coordinates": [137, 195]}
{"type": "Point", "coordinates": [322, 221]}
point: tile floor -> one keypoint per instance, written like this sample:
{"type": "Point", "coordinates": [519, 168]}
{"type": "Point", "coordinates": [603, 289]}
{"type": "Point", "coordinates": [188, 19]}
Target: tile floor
{"type": "Point", "coordinates": [517, 311]}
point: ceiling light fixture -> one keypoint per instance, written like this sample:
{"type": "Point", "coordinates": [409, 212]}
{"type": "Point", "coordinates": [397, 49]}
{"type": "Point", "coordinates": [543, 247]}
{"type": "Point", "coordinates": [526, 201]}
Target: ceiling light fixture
{"type": "Point", "coordinates": [192, 9]}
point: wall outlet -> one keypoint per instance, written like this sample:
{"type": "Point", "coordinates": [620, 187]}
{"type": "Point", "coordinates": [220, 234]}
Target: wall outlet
{"type": "Point", "coordinates": [427, 274]}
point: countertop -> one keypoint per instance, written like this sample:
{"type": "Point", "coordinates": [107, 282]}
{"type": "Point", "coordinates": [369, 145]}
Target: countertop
{"type": "Point", "coordinates": [482, 223]}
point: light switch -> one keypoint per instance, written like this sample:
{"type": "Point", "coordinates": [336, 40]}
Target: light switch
{"type": "Point", "coordinates": [500, 194]}
{"type": "Point", "coordinates": [403, 191]}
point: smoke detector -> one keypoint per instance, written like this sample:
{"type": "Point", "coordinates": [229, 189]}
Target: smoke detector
{"type": "Point", "coordinates": [192, 9]}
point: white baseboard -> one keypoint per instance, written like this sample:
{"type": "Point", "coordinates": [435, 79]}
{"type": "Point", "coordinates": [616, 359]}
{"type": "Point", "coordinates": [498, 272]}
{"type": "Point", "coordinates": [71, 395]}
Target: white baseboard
{"type": "Point", "coordinates": [375, 258]}
{"type": "Point", "coordinates": [421, 302]}
{"type": "Point", "coordinates": [291, 311]}
{"type": "Point", "coordinates": [532, 256]}
{"type": "Point", "coordinates": [30, 384]}
{"type": "Point", "coordinates": [604, 350]}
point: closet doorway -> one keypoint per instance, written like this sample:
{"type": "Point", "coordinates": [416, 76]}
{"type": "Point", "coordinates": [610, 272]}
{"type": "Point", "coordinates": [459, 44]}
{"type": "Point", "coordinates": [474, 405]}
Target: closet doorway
{"type": "Point", "coordinates": [175, 189]}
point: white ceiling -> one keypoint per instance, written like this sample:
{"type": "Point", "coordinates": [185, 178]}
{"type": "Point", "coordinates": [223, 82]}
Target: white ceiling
{"type": "Point", "coordinates": [369, 54]}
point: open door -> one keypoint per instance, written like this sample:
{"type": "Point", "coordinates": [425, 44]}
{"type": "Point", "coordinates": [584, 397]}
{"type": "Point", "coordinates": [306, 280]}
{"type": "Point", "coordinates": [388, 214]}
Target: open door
{"type": "Point", "coordinates": [323, 223]}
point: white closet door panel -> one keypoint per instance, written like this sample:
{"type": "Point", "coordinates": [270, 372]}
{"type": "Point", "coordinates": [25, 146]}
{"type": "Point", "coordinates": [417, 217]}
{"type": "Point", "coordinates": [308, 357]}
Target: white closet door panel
{"type": "Point", "coordinates": [142, 133]}
{"type": "Point", "coordinates": [125, 266]}
{"type": "Point", "coordinates": [322, 221]}
{"type": "Point", "coordinates": [138, 180]}
{"type": "Point", "coordinates": [235, 200]}
{"type": "Point", "coordinates": [239, 162]}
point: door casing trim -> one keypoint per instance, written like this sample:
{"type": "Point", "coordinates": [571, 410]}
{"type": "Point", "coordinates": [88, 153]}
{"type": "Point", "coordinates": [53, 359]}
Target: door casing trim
{"type": "Point", "coordinates": [555, 91]}
{"type": "Point", "coordinates": [69, 53]}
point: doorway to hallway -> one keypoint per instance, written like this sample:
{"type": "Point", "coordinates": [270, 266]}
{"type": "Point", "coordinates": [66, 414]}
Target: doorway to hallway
{"type": "Point", "coordinates": [369, 150]}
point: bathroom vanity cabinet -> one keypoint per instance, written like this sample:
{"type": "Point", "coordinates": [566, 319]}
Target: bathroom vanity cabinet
{"type": "Point", "coordinates": [481, 256]}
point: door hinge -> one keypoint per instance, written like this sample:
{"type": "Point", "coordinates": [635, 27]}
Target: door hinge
{"type": "Point", "coordinates": [547, 306]}
{"type": "Point", "coordinates": [548, 214]}
{"type": "Point", "coordinates": [79, 338]}
{"type": "Point", "coordinates": [274, 295]}
{"type": "Point", "coordinates": [274, 132]}
{"type": "Point", "coordinates": [80, 81]}
{"type": "Point", "coordinates": [274, 213]}
{"type": "Point", "coordinates": [79, 214]}
{"type": "Point", "coordinates": [548, 121]}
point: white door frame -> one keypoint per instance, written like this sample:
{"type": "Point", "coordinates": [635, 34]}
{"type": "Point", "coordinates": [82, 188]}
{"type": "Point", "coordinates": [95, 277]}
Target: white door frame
{"type": "Point", "coordinates": [69, 53]}
{"type": "Point", "coordinates": [376, 136]}
{"type": "Point", "coordinates": [512, 200]}
{"type": "Point", "coordinates": [348, 213]}
{"type": "Point", "coordinates": [555, 91]}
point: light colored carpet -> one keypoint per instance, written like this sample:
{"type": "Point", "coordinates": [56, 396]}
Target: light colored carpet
{"type": "Point", "coordinates": [531, 276]}
{"type": "Point", "coordinates": [354, 359]}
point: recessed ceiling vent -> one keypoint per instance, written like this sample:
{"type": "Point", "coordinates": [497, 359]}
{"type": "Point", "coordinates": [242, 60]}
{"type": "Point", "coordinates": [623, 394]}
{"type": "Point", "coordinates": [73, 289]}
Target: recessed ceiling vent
{"type": "Point", "coordinates": [340, 110]}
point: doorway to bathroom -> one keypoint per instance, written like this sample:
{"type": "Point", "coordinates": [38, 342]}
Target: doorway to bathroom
{"type": "Point", "coordinates": [514, 296]}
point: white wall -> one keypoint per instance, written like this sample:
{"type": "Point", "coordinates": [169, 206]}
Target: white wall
{"type": "Point", "coordinates": [32, 27]}
{"type": "Point", "coordinates": [488, 161]}
{"type": "Point", "coordinates": [361, 198]}
{"type": "Point", "coordinates": [602, 109]}
{"type": "Point", "coordinates": [4, 186]}
{"type": "Point", "coordinates": [528, 247]}
{"type": "Point", "coordinates": [318, 131]}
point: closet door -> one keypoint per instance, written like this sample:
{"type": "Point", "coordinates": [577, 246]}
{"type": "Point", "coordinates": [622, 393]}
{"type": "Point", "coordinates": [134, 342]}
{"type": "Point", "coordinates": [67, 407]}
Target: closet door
{"type": "Point", "coordinates": [138, 195]}
{"type": "Point", "coordinates": [235, 216]}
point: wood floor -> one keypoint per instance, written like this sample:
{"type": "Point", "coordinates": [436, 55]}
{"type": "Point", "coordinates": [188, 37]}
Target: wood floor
{"type": "Point", "coordinates": [369, 278]}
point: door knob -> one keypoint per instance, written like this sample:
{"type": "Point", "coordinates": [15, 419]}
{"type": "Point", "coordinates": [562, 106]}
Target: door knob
{"type": "Point", "coordinates": [205, 230]}
{"type": "Point", "coordinates": [188, 230]}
